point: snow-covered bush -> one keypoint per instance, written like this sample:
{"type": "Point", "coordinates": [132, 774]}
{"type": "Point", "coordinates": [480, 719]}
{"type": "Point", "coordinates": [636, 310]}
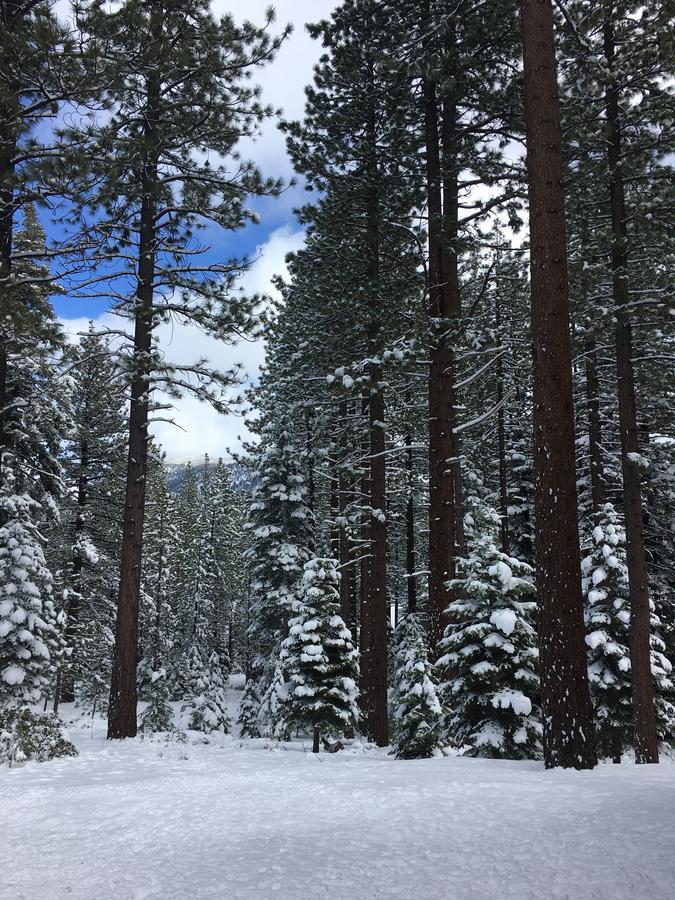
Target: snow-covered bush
{"type": "Point", "coordinates": [606, 591]}
{"type": "Point", "coordinates": [319, 660]}
{"type": "Point", "coordinates": [25, 735]}
{"type": "Point", "coordinates": [489, 651]}
{"type": "Point", "coordinates": [417, 713]}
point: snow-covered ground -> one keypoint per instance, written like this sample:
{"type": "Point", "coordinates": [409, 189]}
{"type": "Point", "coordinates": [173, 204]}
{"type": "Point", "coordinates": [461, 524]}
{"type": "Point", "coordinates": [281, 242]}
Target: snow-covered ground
{"type": "Point", "coordinates": [152, 820]}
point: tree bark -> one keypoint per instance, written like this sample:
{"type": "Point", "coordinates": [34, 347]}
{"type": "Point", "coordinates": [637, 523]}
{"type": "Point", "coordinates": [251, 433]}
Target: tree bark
{"type": "Point", "coordinates": [568, 725]}
{"type": "Point", "coordinates": [644, 714]}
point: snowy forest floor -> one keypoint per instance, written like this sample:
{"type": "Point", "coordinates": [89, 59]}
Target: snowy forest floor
{"type": "Point", "coordinates": [222, 817]}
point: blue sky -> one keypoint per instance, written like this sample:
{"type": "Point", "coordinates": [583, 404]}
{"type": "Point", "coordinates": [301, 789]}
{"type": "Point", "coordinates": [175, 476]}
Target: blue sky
{"type": "Point", "coordinates": [198, 429]}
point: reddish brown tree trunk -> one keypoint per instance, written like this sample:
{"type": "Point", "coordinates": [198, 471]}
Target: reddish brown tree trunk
{"type": "Point", "coordinates": [644, 714]}
{"type": "Point", "coordinates": [568, 724]}
{"type": "Point", "coordinates": [123, 687]}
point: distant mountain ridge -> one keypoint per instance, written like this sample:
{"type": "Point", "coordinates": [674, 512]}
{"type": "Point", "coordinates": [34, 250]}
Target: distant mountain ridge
{"type": "Point", "coordinates": [243, 479]}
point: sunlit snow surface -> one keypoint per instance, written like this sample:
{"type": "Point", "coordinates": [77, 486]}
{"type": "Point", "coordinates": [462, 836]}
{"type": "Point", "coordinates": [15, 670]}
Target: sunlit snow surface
{"type": "Point", "coordinates": [247, 819]}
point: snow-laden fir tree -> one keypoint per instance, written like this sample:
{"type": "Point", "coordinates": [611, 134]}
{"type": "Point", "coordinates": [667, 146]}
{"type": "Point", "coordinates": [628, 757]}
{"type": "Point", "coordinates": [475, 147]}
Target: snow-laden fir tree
{"type": "Point", "coordinates": [26, 609]}
{"type": "Point", "coordinates": [606, 590]}
{"type": "Point", "coordinates": [206, 704]}
{"type": "Point", "coordinates": [417, 713]}
{"type": "Point", "coordinates": [489, 649]}
{"type": "Point", "coordinates": [248, 710]}
{"type": "Point", "coordinates": [281, 528]}
{"type": "Point", "coordinates": [158, 714]}
{"type": "Point", "coordinates": [90, 513]}
{"type": "Point", "coordinates": [319, 659]}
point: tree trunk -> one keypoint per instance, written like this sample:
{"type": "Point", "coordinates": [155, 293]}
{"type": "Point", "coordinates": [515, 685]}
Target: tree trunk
{"type": "Point", "coordinates": [7, 210]}
{"type": "Point", "coordinates": [598, 490]}
{"type": "Point", "coordinates": [440, 388]}
{"type": "Point", "coordinates": [501, 437]}
{"type": "Point", "coordinates": [123, 687]}
{"type": "Point", "coordinates": [364, 566]}
{"type": "Point", "coordinates": [568, 724]}
{"type": "Point", "coordinates": [377, 581]}
{"type": "Point", "coordinates": [644, 714]}
{"type": "Point", "coordinates": [376, 680]}
{"type": "Point", "coordinates": [66, 691]}
{"type": "Point", "coordinates": [344, 550]}
{"type": "Point", "coordinates": [316, 740]}
{"type": "Point", "coordinates": [410, 556]}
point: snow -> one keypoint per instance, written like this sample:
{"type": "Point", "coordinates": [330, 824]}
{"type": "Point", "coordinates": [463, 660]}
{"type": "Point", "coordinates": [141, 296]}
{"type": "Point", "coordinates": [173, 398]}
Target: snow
{"type": "Point", "coordinates": [223, 817]}
{"type": "Point", "coordinates": [504, 619]}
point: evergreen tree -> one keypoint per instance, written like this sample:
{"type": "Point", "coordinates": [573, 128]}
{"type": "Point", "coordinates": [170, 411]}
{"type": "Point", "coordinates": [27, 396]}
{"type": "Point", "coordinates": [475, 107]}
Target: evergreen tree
{"type": "Point", "coordinates": [174, 81]}
{"type": "Point", "coordinates": [489, 649]}
{"type": "Point", "coordinates": [606, 588]}
{"type": "Point", "coordinates": [26, 610]}
{"type": "Point", "coordinates": [158, 714]}
{"type": "Point", "coordinates": [92, 505]}
{"type": "Point", "coordinates": [205, 703]}
{"type": "Point", "coordinates": [249, 710]}
{"type": "Point", "coordinates": [319, 660]}
{"type": "Point", "coordinates": [281, 528]}
{"type": "Point", "coordinates": [417, 712]}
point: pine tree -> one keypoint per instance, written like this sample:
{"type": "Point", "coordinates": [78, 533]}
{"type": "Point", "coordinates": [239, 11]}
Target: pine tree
{"type": "Point", "coordinates": [319, 660]}
{"type": "Point", "coordinates": [158, 714]}
{"type": "Point", "coordinates": [249, 710]}
{"type": "Point", "coordinates": [26, 610]}
{"type": "Point", "coordinates": [281, 528]}
{"type": "Point", "coordinates": [489, 649]}
{"type": "Point", "coordinates": [205, 703]}
{"type": "Point", "coordinates": [606, 588]}
{"type": "Point", "coordinates": [92, 506]}
{"type": "Point", "coordinates": [417, 712]}
{"type": "Point", "coordinates": [174, 84]}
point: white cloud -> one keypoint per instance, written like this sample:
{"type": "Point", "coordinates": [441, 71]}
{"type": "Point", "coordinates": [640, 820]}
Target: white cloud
{"type": "Point", "coordinates": [199, 429]}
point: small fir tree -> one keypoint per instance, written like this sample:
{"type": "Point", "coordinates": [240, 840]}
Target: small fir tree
{"type": "Point", "coordinates": [158, 714]}
{"type": "Point", "coordinates": [606, 590]}
{"type": "Point", "coordinates": [249, 709]}
{"type": "Point", "coordinates": [319, 659]}
{"type": "Point", "coordinates": [26, 611]}
{"type": "Point", "coordinates": [489, 650]}
{"type": "Point", "coordinates": [206, 705]}
{"type": "Point", "coordinates": [417, 713]}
